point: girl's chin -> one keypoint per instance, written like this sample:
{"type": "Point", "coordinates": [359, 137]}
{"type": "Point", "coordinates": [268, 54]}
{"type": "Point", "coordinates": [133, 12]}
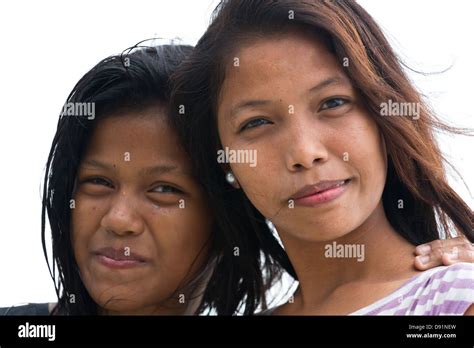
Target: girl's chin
{"type": "Point", "coordinates": [120, 307]}
{"type": "Point", "coordinates": [311, 229]}
{"type": "Point", "coordinates": [120, 299]}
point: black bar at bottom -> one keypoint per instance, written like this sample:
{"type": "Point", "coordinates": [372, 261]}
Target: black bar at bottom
{"type": "Point", "coordinates": [453, 331]}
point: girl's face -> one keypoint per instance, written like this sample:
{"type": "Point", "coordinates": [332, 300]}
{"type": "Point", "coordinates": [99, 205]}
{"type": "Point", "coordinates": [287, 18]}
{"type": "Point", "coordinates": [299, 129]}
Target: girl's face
{"type": "Point", "coordinates": [140, 221]}
{"type": "Point", "coordinates": [290, 100]}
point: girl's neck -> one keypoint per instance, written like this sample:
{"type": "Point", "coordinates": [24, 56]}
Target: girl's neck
{"type": "Point", "coordinates": [372, 253]}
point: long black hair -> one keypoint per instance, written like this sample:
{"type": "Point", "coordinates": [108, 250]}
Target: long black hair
{"type": "Point", "coordinates": [134, 80]}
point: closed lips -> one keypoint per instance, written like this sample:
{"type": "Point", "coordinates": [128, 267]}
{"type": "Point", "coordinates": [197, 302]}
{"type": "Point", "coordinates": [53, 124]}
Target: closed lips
{"type": "Point", "coordinates": [319, 187]}
{"type": "Point", "coordinates": [122, 254]}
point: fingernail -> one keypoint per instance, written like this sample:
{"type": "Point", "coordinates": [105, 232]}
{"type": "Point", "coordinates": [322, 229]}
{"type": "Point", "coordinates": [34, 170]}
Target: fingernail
{"type": "Point", "coordinates": [423, 249]}
{"type": "Point", "coordinates": [423, 259]}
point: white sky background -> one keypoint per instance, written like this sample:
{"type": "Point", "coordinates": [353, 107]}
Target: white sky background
{"type": "Point", "coordinates": [47, 46]}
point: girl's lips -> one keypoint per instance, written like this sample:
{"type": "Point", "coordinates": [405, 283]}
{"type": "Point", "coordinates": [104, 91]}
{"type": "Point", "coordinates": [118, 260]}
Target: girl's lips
{"type": "Point", "coordinates": [119, 258]}
{"type": "Point", "coordinates": [320, 193]}
{"type": "Point", "coordinates": [118, 264]}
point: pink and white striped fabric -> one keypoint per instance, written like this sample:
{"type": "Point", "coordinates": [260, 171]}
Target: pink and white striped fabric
{"type": "Point", "coordinates": [445, 290]}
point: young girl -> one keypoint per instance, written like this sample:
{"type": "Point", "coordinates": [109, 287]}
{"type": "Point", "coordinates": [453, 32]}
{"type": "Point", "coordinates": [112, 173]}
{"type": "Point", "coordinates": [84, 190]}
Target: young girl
{"type": "Point", "coordinates": [132, 231]}
{"type": "Point", "coordinates": [302, 85]}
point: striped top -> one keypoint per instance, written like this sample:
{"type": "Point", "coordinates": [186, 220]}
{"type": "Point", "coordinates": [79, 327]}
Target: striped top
{"type": "Point", "coordinates": [445, 290]}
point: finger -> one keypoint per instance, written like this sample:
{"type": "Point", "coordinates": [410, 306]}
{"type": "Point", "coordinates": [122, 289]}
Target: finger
{"type": "Point", "coordinates": [462, 255]}
{"type": "Point", "coordinates": [433, 259]}
{"type": "Point", "coordinates": [446, 244]}
{"type": "Point", "coordinates": [439, 256]}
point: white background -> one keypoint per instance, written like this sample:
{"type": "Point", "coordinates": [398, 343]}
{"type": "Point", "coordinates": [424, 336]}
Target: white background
{"type": "Point", "coordinates": [46, 46]}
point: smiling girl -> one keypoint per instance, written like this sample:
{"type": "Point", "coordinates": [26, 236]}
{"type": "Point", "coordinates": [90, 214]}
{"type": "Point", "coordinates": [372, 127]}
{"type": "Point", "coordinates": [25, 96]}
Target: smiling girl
{"type": "Point", "coordinates": [131, 196]}
{"type": "Point", "coordinates": [132, 230]}
{"type": "Point", "coordinates": [302, 84]}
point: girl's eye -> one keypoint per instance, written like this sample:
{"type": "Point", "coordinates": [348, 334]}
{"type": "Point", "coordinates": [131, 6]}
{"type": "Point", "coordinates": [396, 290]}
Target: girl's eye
{"type": "Point", "coordinates": [99, 181]}
{"type": "Point", "coordinates": [333, 103]}
{"type": "Point", "coordinates": [254, 123]}
{"type": "Point", "coordinates": [166, 189]}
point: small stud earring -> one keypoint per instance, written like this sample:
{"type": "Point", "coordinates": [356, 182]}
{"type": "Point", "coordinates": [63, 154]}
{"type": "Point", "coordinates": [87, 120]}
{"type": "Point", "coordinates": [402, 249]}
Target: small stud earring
{"type": "Point", "coordinates": [230, 178]}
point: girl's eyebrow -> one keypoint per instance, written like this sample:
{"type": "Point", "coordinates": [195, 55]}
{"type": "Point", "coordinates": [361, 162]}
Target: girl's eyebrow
{"type": "Point", "coordinates": [154, 170]}
{"type": "Point", "coordinates": [245, 104]}
{"type": "Point", "coordinates": [159, 169]}
{"type": "Point", "coordinates": [335, 80]}
{"type": "Point", "coordinates": [96, 164]}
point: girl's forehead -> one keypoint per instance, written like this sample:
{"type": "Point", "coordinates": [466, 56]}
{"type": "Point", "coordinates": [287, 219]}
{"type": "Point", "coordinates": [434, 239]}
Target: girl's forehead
{"type": "Point", "coordinates": [136, 141]}
{"type": "Point", "coordinates": [271, 68]}
{"type": "Point", "coordinates": [294, 44]}
{"type": "Point", "coordinates": [294, 56]}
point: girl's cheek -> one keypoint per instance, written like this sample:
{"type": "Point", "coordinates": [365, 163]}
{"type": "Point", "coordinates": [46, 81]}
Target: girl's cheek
{"type": "Point", "coordinates": [86, 215]}
{"type": "Point", "coordinates": [370, 160]}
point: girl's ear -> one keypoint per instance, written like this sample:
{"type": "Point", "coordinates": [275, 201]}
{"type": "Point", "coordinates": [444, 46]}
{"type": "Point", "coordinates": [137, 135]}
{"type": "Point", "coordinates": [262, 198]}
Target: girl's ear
{"type": "Point", "coordinates": [229, 175]}
{"type": "Point", "coordinates": [232, 180]}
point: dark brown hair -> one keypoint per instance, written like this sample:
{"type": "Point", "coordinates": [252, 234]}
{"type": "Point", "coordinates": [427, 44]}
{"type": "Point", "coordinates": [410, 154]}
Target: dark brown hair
{"type": "Point", "coordinates": [415, 163]}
